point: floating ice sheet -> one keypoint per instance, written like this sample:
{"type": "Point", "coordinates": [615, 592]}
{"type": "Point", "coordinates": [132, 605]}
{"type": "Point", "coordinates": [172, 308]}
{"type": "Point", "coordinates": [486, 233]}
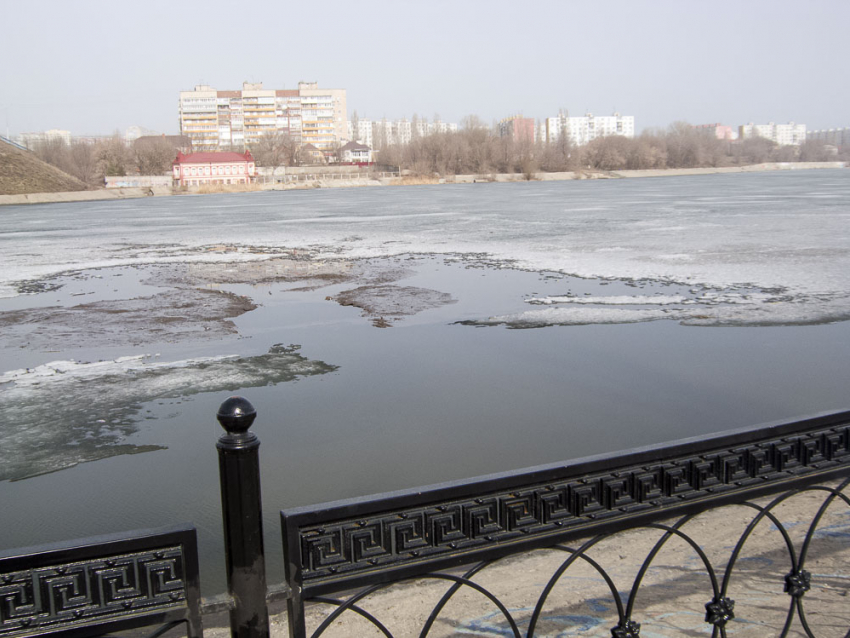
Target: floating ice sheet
{"type": "Point", "coordinates": [613, 300]}
{"type": "Point", "coordinates": [570, 317]}
{"type": "Point", "coordinates": [169, 316]}
{"type": "Point", "coordinates": [385, 303]}
{"type": "Point", "coordinates": [690, 313]}
{"type": "Point", "coordinates": [101, 401]}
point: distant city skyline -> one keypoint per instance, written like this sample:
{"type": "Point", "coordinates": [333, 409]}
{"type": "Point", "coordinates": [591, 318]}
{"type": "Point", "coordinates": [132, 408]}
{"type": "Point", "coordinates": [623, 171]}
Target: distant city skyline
{"type": "Point", "coordinates": [93, 67]}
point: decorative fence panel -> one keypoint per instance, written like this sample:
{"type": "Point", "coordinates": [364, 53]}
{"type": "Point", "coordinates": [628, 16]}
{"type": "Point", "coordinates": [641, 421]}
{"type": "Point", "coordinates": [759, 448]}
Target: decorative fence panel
{"type": "Point", "coordinates": [371, 542]}
{"type": "Point", "coordinates": [102, 584]}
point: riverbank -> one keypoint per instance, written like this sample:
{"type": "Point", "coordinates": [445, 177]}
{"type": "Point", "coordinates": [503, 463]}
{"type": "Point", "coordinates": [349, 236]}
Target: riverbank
{"type": "Point", "coordinates": [82, 196]}
{"type": "Point", "coordinates": [321, 182]}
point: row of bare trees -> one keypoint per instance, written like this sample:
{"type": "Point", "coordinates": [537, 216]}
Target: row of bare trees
{"type": "Point", "coordinates": [90, 161]}
{"type": "Point", "coordinates": [476, 149]}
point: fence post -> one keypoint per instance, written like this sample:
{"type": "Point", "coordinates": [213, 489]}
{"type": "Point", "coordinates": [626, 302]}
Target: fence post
{"type": "Point", "coordinates": [239, 471]}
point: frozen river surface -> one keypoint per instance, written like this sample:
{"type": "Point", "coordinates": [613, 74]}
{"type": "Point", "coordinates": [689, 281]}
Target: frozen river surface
{"type": "Point", "coordinates": [374, 330]}
{"type": "Point", "coordinates": [785, 232]}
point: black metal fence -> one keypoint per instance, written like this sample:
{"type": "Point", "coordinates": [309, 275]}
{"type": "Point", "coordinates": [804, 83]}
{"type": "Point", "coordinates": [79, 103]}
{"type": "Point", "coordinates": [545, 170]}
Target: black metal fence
{"type": "Point", "coordinates": [102, 584]}
{"type": "Point", "coordinates": [341, 553]}
{"type": "Point", "coordinates": [371, 542]}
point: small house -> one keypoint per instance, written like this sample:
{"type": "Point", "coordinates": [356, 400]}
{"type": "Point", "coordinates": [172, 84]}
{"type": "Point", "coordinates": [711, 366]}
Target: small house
{"type": "Point", "coordinates": [356, 153]}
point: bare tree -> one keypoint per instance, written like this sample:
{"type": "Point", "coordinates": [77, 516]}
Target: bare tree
{"type": "Point", "coordinates": [787, 153]}
{"type": "Point", "coordinates": [275, 149]}
{"type": "Point", "coordinates": [382, 139]}
{"type": "Point", "coordinates": [54, 151]}
{"type": "Point", "coordinates": [472, 123]}
{"type": "Point", "coordinates": [753, 150]}
{"type": "Point", "coordinates": [153, 156]}
{"type": "Point", "coordinates": [607, 153]}
{"type": "Point", "coordinates": [355, 126]}
{"type": "Point", "coordinates": [815, 151]}
{"type": "Point", "coordinates": [558, 154]}
{"type": "Point", "coordinates": [114, 156]}
{"type": "Point", "coordinates": [649, 151]}
{"type": "Point", "coordinates": [685, 146]}
{"type": "Point", "coordinates": [84, 163]}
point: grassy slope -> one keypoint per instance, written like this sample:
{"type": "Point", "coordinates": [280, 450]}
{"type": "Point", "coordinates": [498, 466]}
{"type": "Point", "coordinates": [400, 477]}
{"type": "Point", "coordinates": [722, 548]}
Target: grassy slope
{"type": "Point", "coordinates": [22, 172]}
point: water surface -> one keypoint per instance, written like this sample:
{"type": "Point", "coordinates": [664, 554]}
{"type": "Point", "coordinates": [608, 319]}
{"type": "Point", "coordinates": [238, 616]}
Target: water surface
{"type": "Point", "coordinates": [740, 284]}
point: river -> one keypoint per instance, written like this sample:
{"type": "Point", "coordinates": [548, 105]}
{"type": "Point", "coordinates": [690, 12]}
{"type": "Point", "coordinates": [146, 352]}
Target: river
{"type": "Point", "coordinates": [394, 337]}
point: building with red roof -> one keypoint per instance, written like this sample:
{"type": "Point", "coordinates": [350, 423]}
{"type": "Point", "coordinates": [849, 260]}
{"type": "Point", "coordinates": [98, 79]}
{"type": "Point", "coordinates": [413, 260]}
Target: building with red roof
{"type": "Point", "coordinates": [198, 169]}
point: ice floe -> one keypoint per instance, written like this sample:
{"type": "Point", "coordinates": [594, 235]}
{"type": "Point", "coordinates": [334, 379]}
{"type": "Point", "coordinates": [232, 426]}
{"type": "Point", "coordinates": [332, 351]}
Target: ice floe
{"type": "Point", "coordinates": [613, 300]}
{"type": "Point", "coordinates": [571, 317]}
{"type": "Point", "coordinates": [101, 402]}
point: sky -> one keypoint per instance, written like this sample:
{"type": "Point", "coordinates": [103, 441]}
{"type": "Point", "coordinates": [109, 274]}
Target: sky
{"type": "Point", "coordinates": [94, 67]}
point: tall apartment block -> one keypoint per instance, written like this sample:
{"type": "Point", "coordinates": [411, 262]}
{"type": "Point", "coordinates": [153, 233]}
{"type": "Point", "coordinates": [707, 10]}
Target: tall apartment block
{"type": "Point", "coordinates": [588, 127]}
{"type": "Point", "coordinates": [235, 120]}
{"type": "Point", "coordinates": [834, 136]}
{"type": "Point", "coordinates": [377, 134]}
{"type": "Point", "coordinates": [790, 134]}
{"type": "Point", "coordinates": [517, 128]}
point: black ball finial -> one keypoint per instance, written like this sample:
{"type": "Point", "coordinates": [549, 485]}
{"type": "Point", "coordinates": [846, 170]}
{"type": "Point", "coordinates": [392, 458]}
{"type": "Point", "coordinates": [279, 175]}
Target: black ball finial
{"type": "Point", "coordinates": [236, 415]}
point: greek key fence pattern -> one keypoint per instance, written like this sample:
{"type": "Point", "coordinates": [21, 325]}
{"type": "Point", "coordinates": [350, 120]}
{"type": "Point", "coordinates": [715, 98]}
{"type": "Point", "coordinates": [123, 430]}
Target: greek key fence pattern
{"type": "Point", "coordinates": [102, 584]}
{"type": "Point", "coordinates": [338, 549]}
{"type": "Point", "coordinates": [80, 592]}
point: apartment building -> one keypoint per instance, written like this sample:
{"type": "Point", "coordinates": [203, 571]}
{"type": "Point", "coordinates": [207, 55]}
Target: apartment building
{"type": "Point", "coordinates": [324, 115]}
{"type": "Point", "coordinates": [719, 131]}
{"type": "Point", "coordinates": [361, 132]}
{"type": "Point", "coordinates": [583, 129]}
{"type": "Point", "coordinates": [517, 128]}
{"type": "Point", "coordinates": [402, 132]}
{"type": "Point", "coordinates": [34, 140]}
{"type": "Point", "coordinates": [234, 120]}
{"type": "Point", "coordinates": [837, 137]}
{"type": "Point", "coordinates": [790, 134]}
{"type": "Point", "coordinates": [378, 133]}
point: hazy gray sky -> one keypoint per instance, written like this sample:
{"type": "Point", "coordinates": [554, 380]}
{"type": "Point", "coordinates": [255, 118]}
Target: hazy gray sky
{"type": "Point", "coordinates": [93, 66]}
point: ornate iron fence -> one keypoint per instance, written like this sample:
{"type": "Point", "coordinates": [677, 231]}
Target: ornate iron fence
{"type": "Point", "coordinates": [367, 544]}
{"type": "Point", "coordinates": [102, 584]}
{"type": "Point", "coordinates": [340, 553]}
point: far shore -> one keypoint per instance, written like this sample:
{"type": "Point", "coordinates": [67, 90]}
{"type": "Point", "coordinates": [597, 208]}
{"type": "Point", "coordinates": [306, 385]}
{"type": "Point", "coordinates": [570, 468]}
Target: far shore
{"type": "Point", "coordinates": [334, 181]}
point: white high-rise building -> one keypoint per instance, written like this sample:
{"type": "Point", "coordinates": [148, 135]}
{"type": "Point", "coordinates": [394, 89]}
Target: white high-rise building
{"type": "Point", "coordinates": [790, 134]}
{"type": "Point", "coordinates": [363, 132]}
{"type": "Point", "coordinates": [833, 136]}
{"type": "Point", "coordinates": [33, 140]}
{"type": "Point", "coordinates": [402, 132]}
{"type": "Point", "coordinates": [581, 130]}
{"type": "Point", "coordinates": [375, 133]}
